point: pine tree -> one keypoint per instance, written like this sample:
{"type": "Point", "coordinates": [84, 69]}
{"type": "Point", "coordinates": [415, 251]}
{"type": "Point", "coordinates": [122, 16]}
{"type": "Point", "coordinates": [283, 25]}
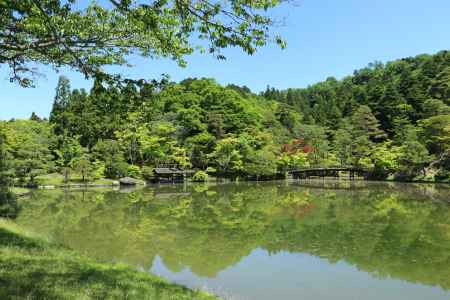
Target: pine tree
{"type": "Point", "coordinates": [61, 102]}
{"type": "Point", "coordinates": [35, 117]}
{"type": "Point", "coordinates": [440, 86]}
{"type": "Point", "coordinates": [415, 156]}
{"type": "Point", "coordinates": [290, 97]}
{"type": "Point", "coordinates": [365, 123]}
{"type": "Point", "coordinates": [388, 104]}
{"type": "Point", "coordinates": [401, 126]}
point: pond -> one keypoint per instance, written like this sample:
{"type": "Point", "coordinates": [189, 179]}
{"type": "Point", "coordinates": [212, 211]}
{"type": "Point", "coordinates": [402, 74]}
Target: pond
{"type": "Point", "coordinates": [256, 241]}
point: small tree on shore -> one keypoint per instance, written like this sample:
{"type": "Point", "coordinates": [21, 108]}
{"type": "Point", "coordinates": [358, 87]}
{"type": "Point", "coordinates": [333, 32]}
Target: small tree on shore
{"type": "Point", "coordinates": [83, 166]}
{"type": "Point", "coordinates": [69, 150]}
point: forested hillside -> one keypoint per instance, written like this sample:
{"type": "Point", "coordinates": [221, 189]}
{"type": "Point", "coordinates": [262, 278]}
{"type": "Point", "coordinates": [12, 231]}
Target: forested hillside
{"type": "Point", "coordinates": [405, 90]}
{"type": "Point", "coordinates": [392, 118]}
{"type": "Point", "coordinates": [403, 106]}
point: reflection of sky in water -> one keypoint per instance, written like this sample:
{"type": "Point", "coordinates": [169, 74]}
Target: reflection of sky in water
{"type": "Point", "coordinates": [298, 276]}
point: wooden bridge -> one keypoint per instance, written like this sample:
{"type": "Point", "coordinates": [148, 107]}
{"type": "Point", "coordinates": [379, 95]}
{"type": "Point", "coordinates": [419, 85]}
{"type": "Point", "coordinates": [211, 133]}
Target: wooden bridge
{"type": "Point", "coordinates": [335, 172]}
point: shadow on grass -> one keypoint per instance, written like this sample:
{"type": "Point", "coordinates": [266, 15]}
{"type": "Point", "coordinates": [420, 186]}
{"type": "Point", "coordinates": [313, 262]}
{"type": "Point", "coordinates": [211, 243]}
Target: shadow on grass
{"type": "Point", "coordinates": [11, 239]}
{"type": "Point", "coordinates": [34, 269]}
{"type": "Point", "coordinates": [42, 279]}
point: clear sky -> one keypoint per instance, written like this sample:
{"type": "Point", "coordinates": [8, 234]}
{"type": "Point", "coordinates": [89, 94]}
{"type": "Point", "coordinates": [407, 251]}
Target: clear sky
{"type": "Point", "coordinates": [325, 38]}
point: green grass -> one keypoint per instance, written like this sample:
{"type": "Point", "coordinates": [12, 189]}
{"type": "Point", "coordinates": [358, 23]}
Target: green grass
{"type": "Point", "coordinates": [104, 181]}
{"type": "Point", "coordinates": [57, 179]}
{"type": "Point", "coordinates": [50, 179]}
{"type": "Point", "coordinates": [34, 268]}
{"type": "Point", "coordinates": [20, 191]}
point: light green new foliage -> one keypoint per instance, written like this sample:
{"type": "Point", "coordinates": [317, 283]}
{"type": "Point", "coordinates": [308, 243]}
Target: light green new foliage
{"type": "Point", "coordinates": [83, 166]}
{"type": "Point", "coordinates": [386, 157]}
{"type": "Point", "coordinates": [28, 143]}
{"type": "Point", "coordinates": [299, 160]}
{"type": "Point", "coordinates": [227, 156]}
{"type": "Point", "coordinates": [134, 171]}
{"type": "Point", "coordinates": [200, 176]}
{"type": "Point", "coordinates": [261, 162]}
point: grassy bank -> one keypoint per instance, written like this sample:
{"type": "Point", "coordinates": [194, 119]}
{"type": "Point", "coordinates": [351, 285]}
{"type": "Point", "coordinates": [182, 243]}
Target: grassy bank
{"type": "Point", "coordinates": [56, 179]}
{"type": "Point", "coordinates": [34, 268]}
{"type": "Point", "coordinates": [19, 191]}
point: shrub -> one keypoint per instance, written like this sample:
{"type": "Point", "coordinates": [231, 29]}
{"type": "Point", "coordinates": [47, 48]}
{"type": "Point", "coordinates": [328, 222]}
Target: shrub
{"type": "Point", "coordinates": [443, 175]}
{"type": "Point", "coordinates": [147, 172]}
{"type": "Point", "coordinates": [134, 171]}
{"type": "Point", "coordinates": [99, 169]}
{"type": "Point", "coordinates": [211, 170]}
{"type": "Point", "coordinates": [52, 167]}
{"type": "Point", "coordinates": [83, 166]}
{"type": "Point", "coordinates": [200, 176]}
{"type": "Point", "coordinates": [116, 169]}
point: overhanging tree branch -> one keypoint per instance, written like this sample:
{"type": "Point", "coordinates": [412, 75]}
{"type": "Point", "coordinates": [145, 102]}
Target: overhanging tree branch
{"type": "Point", "coordinates": [53, 32]}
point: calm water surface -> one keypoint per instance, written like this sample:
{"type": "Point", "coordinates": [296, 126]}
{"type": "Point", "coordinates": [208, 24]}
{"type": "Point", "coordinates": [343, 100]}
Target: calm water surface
{"type": "Point", "coordinates": [275, 240]}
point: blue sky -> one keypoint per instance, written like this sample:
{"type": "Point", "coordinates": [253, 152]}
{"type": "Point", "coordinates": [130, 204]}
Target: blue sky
{"type": "Point", "coordinates": [325, 38]}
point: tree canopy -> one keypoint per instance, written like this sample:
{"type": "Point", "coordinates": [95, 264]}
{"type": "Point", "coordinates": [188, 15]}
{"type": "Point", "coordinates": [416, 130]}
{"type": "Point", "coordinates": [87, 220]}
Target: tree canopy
{"type": "Point", "coordinates": [86, 38]}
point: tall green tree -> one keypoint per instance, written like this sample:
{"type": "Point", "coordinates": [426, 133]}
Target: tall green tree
{"type": "Point", "coordinates": [288, 117]}
{"type": "Point", "coordinates": [83, 166]}
{"type": "Point", "coordinates": [68, 151]}
{"type": "Point", "coordinates": [365, 123]}
{"type": "Point", "coordinates": [60, 104]}
{"type": "Point", "coordinates": [227, 156]}
{"type": "Point", "coordinates": [316, 137]}
{"type": "Point", "coordinates": [440, 86]}
{"type": "Point", "coordinates": [343, 145]}
{"type": "Point", "coordinates": [110, 153]}
{"type": "Point", "coordinates": [434, 107]}
{"type": "Point", "coordinates": [414, 155]}
{"type": "Point", "coordinates": [436, 134]}
{"type": "Point", "coordinates": [263, 162]}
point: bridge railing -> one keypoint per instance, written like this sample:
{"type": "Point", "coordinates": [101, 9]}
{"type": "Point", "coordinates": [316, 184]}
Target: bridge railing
{"type": "Point", "coordinates": [331, 168]}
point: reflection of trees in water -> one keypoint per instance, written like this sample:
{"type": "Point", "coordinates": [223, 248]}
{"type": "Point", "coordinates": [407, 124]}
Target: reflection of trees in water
{"type": "Point", "coordinates": [382, 230]}
{"type": "Point", "coordinates": [429, 191]}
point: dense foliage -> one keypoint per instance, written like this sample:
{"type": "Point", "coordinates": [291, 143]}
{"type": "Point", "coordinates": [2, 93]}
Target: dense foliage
{"type": "Point", "coordinates": [394, 116]}
{"type": "Point", "coordinates": [8, 204]}
{"type": "Point", "coordinates": [393, 119]}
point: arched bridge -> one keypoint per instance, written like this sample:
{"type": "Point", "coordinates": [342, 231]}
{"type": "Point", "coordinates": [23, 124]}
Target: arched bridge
{"type": "Point", "coordinates": [352, 171]}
